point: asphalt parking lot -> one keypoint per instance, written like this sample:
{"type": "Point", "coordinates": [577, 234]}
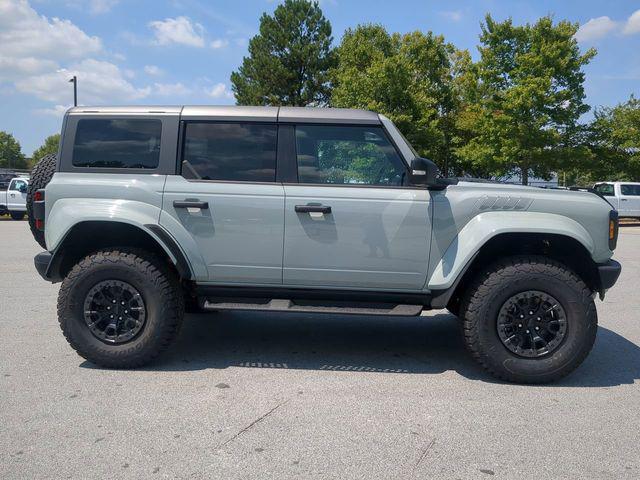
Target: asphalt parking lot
{"type": "Point", "coordinates": [255, 395]}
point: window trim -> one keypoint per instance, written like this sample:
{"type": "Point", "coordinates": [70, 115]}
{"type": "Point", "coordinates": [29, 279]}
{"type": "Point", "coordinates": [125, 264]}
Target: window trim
{"type": "Point", "coordinates": [182, 142]}
{"type": "Point", "coordinates": [351, 185]}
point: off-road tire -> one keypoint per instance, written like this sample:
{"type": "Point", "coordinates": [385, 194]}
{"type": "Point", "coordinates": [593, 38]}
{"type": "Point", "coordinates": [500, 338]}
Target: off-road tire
{"type": "Point", "coordinates": [160, 291]}
{"type": "Point", "coordinates": [40, 176]}
{"type": "Point", "coordinates": [17, 215]}
{"type": "Point", "coordinates": [492, 288]}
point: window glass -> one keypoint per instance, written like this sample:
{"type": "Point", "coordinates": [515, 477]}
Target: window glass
{"type": "Point", "coordinates": [18, 184]}
{"type": "Point", "coordinates": [244, 152]}
{"type": "Point", "coordinates": [347, 156]}
{"type": "Point", "coordinates": [605, 189]}
{"type": "Point", "coordinates": [117, 143]}
{"type": "Point", "coordinates": [633, 190]}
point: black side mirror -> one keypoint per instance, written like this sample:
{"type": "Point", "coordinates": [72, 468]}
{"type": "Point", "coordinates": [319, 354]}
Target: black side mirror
{"type": "Point", "coordinates": [23, 188]}
{"type": "Point", "coordinates": [423, 172]}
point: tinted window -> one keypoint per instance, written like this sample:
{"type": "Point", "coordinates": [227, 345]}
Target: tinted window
{"type": "Point", "coordinates": [605, 189]}
{"type": "Point", "coordinates": [630, 190]}
{"type": "Point", "coordinates": [117, 143]}
{"type": "Point", "coordinates": [347, 156]}
{"type": "Point", "coordinates": [243, 152]}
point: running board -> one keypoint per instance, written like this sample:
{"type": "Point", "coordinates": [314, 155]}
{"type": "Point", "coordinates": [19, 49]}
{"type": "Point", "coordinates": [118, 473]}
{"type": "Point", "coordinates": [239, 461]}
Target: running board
{"type": "Point", "coordinates": [278, 305]}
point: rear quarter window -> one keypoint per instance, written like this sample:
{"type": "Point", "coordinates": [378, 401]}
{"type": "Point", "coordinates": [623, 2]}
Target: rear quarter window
{"type": "Point", "coordinates": [117, 143]}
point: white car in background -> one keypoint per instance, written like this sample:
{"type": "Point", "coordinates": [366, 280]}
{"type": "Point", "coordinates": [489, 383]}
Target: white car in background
{"type": "Point", "coordinates": [13, 200]}
{"type": "Point", "coordinates": [624, 196]}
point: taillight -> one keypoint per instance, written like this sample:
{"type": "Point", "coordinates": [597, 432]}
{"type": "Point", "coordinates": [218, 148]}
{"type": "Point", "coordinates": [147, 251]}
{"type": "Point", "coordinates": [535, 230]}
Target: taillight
{"type": "Point", "coordinates": [38, 196]}
{"type": "Point", "coordinates": [40, 224]}
{"type": "Point", "coordinates": [613, 229]}
{"type": "Point", "coordinates": [38, 208]}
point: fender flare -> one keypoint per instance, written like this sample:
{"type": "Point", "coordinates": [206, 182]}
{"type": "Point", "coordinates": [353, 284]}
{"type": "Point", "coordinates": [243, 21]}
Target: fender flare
{"type": "Point", "coordinates": [483, 227]}
{"type": "Point", "coordinates": [66, 214]}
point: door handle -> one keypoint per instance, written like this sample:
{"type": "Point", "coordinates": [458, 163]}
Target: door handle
{"type": "Point", "coordinates": [313, 209]}
{"type": "Point", "coordinates": [190, 204]}
{"type": "Point", "coordinates": [624, 199]}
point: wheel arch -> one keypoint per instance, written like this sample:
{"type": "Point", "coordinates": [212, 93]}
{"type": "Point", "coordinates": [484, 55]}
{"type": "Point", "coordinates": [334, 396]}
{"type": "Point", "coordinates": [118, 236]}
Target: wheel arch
{"type": "Point", "coordinates": [89, 236]}
{"type": "Point", "coordinates": [561, 247]}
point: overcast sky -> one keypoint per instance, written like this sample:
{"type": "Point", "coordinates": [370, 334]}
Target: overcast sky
{"type": "Point", "coordinates": [183, 51]}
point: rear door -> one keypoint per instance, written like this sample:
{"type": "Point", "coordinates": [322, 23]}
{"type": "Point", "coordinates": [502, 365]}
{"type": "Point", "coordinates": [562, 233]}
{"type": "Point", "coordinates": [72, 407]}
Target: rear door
{"type": "Point", "coordinates": [227, 199]}
{"type": "Point", "coordinates": [351, 220]}
{"type": "Point", "coordinates": [17, 195]}
{"type": "Point", "coordinates": [629, 200]}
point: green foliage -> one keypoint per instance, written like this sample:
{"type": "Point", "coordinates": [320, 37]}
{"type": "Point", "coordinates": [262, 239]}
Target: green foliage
{"type": "Point", "coordinates": [409, 78]}
{"type": "Point", "coordinates": [529, 95]}
{"type": "Point", "coordinates": [11, 155]}
{"type": "Point", "coordinates": [288, 60]}
{"type": "Point", "coordinates": [50, 146]}
{"type": "Point", "coordinates": [613, 138]}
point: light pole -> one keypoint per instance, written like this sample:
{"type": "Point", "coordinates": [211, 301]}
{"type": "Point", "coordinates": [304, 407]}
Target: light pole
{"type": "Point", "coordinates": [74, 80]}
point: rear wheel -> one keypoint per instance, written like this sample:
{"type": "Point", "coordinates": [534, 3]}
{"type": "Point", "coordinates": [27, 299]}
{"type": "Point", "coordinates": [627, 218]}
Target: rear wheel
{"type": "Point", "coordinates": [40, 176]}
{"type": "Point", "coordinates": [17, 215]}
{"type": "Point", "coordinates": [529, 319]}
{"type": "Point", "coordinates": [120, 308]}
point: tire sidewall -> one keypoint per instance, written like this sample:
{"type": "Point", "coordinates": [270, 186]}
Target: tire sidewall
{"type": "Point", "coordinates": [148, 339]}
{"type": "Point", "coordinates": [581, 327]}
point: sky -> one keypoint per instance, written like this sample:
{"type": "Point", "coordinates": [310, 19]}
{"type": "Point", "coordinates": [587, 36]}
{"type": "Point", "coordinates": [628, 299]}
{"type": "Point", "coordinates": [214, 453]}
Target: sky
{"type": "Point", "coordinates": [175, 52]}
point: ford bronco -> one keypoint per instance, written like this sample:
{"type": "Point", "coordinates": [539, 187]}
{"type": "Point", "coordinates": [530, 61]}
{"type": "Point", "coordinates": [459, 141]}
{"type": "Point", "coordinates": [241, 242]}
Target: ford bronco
{"type": "Point", "coordinates": [148, 211]}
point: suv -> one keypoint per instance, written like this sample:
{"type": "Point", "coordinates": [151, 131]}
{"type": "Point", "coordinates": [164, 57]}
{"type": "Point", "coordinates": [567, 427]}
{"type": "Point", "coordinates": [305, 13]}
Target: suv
{"type": "Point", "coordinates": [624, 196]}
{"type": "Point", "coordinates": [151, 210]}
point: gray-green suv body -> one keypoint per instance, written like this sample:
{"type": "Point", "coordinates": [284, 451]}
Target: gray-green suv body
{"type": "Point", "coordinates": [146, 211]}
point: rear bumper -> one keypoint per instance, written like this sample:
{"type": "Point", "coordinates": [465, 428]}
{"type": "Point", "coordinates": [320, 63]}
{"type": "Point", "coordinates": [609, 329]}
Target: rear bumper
{"type": "Point", "coordinates": [43, 262]}
{"type": "Point", "coordinates": [608, 274]}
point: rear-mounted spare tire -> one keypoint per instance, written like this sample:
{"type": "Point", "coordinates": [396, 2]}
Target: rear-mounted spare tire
{"type": "Point", "coordinates": [40, 177]}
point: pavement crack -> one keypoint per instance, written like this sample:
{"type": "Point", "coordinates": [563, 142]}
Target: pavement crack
{"type": "Point", "coordinates": [251, 425]}
{"type": "Point", "coordinates": [424, 453]}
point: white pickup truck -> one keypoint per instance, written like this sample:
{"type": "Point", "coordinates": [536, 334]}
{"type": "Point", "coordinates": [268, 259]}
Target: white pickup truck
{"type": "Point", "coordinates": [624, 196]}
{"type": "Point", "coordinates": [13, 200]}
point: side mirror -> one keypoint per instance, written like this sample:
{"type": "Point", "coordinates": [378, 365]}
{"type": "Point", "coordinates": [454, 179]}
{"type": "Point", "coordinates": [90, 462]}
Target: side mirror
{"type": "Point", "coordinates": [423, 172]}
{"type": "Point", "coordinates": [23, 188]}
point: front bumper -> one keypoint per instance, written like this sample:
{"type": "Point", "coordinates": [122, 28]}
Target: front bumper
{"type": "Point", "coordinates": [608, 274]}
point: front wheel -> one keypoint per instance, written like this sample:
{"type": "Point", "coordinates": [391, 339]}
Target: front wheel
{"type": "Point", "coordinates": [120, 308]}
{"type": "Point", "coordinates": [529, 319]}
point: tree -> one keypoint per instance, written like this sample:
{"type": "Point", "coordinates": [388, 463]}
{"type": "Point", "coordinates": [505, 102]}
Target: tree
{"type": "Point", "coordinates": [288, 60]}
{"type": "Point", "coordinates": [11, 155]}
{"type": "Point", "coordinates": [613, 138]}
{"type": "Point", "coordinates": [408, 78]}
{"type": "Point", "coordinates": [50, 146]}
{"type": "Point", "coordinates": [530, 96]}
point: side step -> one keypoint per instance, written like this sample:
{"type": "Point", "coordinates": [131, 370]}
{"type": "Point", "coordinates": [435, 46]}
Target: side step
{"type": "Point", "coordinates": [281, 305]}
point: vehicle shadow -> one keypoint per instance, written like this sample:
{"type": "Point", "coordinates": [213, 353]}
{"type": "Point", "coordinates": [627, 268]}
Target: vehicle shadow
{"type": "Point", "coordinates": [410, 345]}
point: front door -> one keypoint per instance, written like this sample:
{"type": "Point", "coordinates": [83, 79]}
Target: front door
{"type": "Point", "coordinates": [228, 201]}
{"type": "Point", "coordinates": [351, 221]}
{"type": "Point", "coordinates": [17, 195]}
{"type": "Point", "coordinates": [629, 200]}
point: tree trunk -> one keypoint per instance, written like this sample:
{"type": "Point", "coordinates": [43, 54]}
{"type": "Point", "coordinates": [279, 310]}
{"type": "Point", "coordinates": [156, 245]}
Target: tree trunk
{"type": "Point", "coordinates": [525, 175]}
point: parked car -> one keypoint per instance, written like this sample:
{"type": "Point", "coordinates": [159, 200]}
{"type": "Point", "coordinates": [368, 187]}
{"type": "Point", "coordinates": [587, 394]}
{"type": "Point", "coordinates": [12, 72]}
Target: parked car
{"type": "Point", "coordinates": [149, 209]}
{"type": "Point", "coordinates": [624, 196]}
{"type": "Point", "coordinates": [13, 200]}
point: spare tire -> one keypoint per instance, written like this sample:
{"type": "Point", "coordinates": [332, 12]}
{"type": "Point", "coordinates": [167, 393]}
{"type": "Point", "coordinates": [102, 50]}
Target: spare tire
{"type": "Point", "coordinates": [40, 177]}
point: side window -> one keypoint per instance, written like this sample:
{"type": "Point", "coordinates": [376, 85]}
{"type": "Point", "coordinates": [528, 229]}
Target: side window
{"type": "Point", "coordinates": [632, 190]}
{"type": "Point", "coordinates": [347, 155]}
{"type": "Point", "coordinates": [605, 189]}
{"type": "Point", "coordinates": [117, 143]}
{"type": "Point", "coordinates": [18, 185]}
{"type": "Point", "coordinates": [241, 152]}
